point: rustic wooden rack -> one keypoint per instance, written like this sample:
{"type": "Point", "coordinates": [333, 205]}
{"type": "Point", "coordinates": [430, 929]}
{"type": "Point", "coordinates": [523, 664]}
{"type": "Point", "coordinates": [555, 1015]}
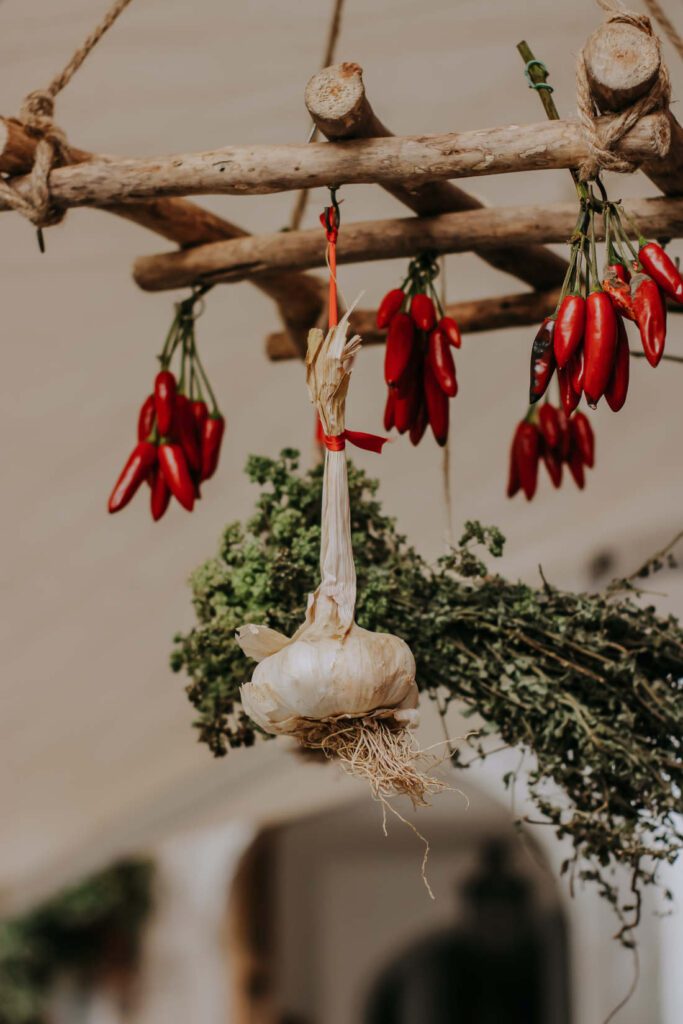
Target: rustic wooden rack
{"type": "Point", "coordinates": [622, 63]}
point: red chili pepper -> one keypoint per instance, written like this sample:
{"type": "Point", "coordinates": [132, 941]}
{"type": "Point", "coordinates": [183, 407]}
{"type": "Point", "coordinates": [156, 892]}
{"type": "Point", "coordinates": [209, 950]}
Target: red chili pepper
{"type": "Point", "coordinates": [576, 368]}
{"type": "Point", "coordinates": [527, 452]}
{"type": "Point", "coordinates": [389, 409]}
{"type": "Point", "coordinates": [139, 463]}
{"type": "Point", "coordinates": [662, 269]}
{"type": "Point", "coordinates": [212, 438]}
{"type": "Point", "coordinates": [185, 426]}
{"type": "Point", "coordinates": [569, 327]}
{"type": "Point", "coordinates": [441, 361]}
{"type": "Point", "coordinates": [599, 346]}
{"type": "Point", "coordinates": [437, 405]}
{"type": "Point", "coordinates": [549, 425]}
{"type": "Point", "coordinates": [146, 418]}
{"type": "Point", "coordinates": [650, 316]}
{"type": "Point", "coordinates": [160, 496]}
{"type": "Point", "coordinates": [173, 465]}
{"type": "Point", "coordinates": [619, 270]}
{"type": "Point", "coordinates": [568, 396]}
{"type": "Point", "coordinates": [451, 330]}
{"type": "Point", "coordinates": [399, 348]}
{"type": "Point", "coordinates": [200, 413]}
{"type": "Point", "coordinates": [575, 459]}
{"type": "Point", "coordinates": [553, 463]}
{"type": "Point", "coordinates": [619, 292]}
{"type": "Point", "coordinates": [585, 438]}
{"type": "Point", "coordinates": [164, 400]}
{"type": "Point", "coordinates": [389, 307]}
{"type": "Point", "coordinates": [542, 360]}
{"type": "Point", "coordinates": [617, 389]}
{"type": "Point", "coordinates": [513, 470]}
{"type": "Point", "coordinates": [419, 425]}
{"type": "Point", "coordinates": [422, 311]}
{"type": "Point", "coordinates": [408, 399]}
{"type": "Point", "coordinates": [565, 434]}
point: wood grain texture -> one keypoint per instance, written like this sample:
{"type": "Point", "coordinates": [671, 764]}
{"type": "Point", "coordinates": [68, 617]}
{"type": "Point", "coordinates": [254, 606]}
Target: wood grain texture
{"type": "Point", "coordinates": [384, 239]}
{"type": "Point", "coordinates": [410, 161]}
{"type": "Point", "coordinates": [622, 63]}
{"type": "Point", "coordinates": [300, 297]}
{"type": "Point", "coordinates": [338, 104]}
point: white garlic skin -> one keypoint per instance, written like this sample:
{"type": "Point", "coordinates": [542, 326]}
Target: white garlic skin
{"type": "Point", "coordinates": [326, 676]}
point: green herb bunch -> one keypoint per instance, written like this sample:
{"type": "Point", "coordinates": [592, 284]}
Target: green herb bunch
{"type": "Point", "coordinates": [80, 931]}
{"type": "Point", "coordinates": [589, 684]}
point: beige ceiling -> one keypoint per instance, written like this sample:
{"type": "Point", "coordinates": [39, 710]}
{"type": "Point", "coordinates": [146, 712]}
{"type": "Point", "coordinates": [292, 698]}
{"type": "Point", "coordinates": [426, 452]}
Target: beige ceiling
{"type": "Point", "coordinates": [95, 732]}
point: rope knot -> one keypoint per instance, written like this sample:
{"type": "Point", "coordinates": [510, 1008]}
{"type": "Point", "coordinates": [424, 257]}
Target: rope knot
{"type": "Point", "coordinates": [602, 139]}
{"type": "Point", "coordinates": [34, 201]}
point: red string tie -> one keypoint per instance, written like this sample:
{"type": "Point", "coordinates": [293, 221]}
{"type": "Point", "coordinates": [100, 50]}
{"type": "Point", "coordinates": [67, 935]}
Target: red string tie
{"type": "Point", "coordinates": [358, 438]}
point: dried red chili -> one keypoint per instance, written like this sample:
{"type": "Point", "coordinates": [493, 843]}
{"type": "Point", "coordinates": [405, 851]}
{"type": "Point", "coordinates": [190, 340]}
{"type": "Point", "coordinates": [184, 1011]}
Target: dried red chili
{"type": "Point", "coordinates": [542, 360]}
{"type": "Point", "coordinates": [599, 346]}
{"type": "Point", "coordinates": [135, 471]}
{"type": "Point", "coordinates": [650, 313]}
{"type": "Point", "coordinates": [661, 268]}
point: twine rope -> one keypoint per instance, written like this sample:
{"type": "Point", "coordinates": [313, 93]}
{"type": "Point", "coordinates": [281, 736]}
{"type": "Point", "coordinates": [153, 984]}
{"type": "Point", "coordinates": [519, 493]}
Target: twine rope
{"type": "Point", "coordinates": [602, 139]}
{"type": "Point", "coordinates": [36, 115]}
{"type": "Point", "coordinates": [667, 25]}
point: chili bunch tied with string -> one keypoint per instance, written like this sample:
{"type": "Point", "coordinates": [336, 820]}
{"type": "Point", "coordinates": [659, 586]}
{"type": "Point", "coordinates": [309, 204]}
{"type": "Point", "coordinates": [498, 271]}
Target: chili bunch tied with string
{"type": "Point", "coordinates": [418, 365]}
{"type": "Point", "coordinates": [585, 340]}
{"type": "Point", "coordinates": [179, 433]}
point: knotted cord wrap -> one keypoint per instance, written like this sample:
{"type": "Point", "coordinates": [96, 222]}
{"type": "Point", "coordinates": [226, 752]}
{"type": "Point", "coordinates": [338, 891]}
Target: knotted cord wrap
{"type": "Point", "coordinates": [36, 115]}
{"type": "Point", "coordinates": [358, 438]}
{"type": "Point", "coordinates": [602, 140]}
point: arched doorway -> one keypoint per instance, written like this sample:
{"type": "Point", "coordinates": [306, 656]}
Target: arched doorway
{"type": "Point", "coordinates": [330, 922]}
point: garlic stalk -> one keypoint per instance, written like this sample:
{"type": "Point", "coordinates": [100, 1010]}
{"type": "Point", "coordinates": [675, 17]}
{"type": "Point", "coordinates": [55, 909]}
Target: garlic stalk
{"type": "Point", "coordinates": [334, 685]}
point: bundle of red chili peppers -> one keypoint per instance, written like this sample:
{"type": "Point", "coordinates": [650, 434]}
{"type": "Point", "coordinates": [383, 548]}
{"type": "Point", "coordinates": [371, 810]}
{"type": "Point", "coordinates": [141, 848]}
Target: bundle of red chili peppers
{"type": "Point", "coordinates": [179, 439]}
{"type": "Point", "coordinates": [418, 364]}
{"type": "Point", "coordinates": [585, 339]}
{"type": "Point", "coordinates": [549, 435]}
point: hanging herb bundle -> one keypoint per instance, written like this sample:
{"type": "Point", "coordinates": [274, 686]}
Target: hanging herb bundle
{"type": "Point", "coordinates": [179, 438]}
{"type": "Point", "coordinates": [418, 364]}
{"type": "Point", "coordinates": [588, 684]}
{"type": "Point", "coordinates": [84, 932]}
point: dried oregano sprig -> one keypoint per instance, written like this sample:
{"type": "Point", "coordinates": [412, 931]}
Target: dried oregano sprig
{"type": "Point", "coordinates": [590, 684]}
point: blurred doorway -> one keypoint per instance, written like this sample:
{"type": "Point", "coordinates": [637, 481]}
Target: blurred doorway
{"type": "Point", "coordinates": [330, 923]}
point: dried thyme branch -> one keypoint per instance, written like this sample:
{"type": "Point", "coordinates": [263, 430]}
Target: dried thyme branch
{"type": "Point", "coordinates": [590, 684]}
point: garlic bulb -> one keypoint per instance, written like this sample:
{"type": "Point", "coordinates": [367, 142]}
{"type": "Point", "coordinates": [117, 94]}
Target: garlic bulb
{"type": "Point", "coordinates": [333, 684]}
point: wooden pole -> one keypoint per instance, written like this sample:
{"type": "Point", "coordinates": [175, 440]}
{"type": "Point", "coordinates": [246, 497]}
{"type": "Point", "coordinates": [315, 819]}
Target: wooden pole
{"type": "Point", "coordinates": [337, 101]}
{"type": "Point", "coordinates": [385, 239]}
{"type": "Point", "coordinates": [411, 161]}
{"type": "Point", "coordinates": [472, 317]}
{"type": "Point", "coordinates": [622, 62]}
{"type": "Point", "coordinates": [299, 297]}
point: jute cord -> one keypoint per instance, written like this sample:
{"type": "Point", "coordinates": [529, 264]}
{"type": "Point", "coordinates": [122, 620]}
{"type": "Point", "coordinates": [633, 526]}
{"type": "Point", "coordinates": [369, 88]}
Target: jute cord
{"type": "Point", "coordinates": [36, 115]}
{"type": "Point", "coordinates": [667, 25]}
{"type": "Point", "coordinates": [602, 139]}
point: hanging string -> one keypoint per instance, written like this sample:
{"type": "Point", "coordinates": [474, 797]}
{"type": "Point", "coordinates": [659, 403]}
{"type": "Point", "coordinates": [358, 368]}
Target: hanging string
{"type": "Point", "coordinates": [660, 16]}
{"type": "Point", "coordinates": [602, 140]}
{"type": "Point", "coordinates": [36, 114]}
{"type": "Point", "coordinates": [301, 201]}
{"type": "Point", "coordinates": [446, 450]}
{"type": "Point", "coordinates": [330, 219]}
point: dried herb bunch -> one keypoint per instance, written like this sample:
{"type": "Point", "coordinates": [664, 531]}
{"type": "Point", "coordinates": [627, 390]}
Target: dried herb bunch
{"type": "Point", "coordinates": [589, 684]}
{"type": "Point", "coordinates": [85, 931]}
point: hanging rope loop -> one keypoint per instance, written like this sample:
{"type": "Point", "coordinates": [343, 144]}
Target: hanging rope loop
{"type": "Point", "coordinates": [603, 140]}
{"type": "Point", "coordinates": [37, 116]}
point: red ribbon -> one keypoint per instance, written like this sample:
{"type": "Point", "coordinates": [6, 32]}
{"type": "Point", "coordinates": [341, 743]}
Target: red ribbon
{"type": "Point", "coordinates": [358, 438]}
